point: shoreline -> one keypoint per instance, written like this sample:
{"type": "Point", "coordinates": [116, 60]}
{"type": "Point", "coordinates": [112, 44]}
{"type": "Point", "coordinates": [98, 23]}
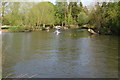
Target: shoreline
{"type": "Point", "coordinates": [90, 30]}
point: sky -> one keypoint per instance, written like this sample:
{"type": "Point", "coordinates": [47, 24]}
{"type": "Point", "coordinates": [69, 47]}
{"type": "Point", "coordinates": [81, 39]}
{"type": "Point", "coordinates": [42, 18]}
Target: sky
{"type": "Point", "coordinates": [85, 2]}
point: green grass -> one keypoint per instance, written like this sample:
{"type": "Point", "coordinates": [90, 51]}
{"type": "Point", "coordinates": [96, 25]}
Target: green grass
{"type": "Point", "coordinates": [42, 28]}
{"type": "Point", "coordinates": [17, 29]}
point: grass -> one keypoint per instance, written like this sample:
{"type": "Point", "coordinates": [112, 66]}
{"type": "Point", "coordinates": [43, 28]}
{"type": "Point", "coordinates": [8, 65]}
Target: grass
{"type": "Point", "coordinates": [24, 29]}
{"type": "Point", "coordinates": [17, 29]}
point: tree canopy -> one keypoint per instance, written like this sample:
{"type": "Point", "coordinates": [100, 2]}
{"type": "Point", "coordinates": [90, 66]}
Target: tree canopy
{"type": "Point", "coordinates": [104, 16]}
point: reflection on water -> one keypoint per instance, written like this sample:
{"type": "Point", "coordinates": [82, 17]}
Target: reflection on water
{"type": "Point", "coordinates": [71, 54]}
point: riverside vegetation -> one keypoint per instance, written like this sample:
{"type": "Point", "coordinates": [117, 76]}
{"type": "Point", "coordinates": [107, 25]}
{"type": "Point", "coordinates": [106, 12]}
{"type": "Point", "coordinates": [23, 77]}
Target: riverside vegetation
{"type": "Point", "coordinates": [27, 16]}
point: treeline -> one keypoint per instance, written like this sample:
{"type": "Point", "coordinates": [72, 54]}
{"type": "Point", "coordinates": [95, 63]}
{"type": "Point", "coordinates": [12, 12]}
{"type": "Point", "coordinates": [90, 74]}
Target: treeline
{"type": "Point", "coordinates": [103, 17]}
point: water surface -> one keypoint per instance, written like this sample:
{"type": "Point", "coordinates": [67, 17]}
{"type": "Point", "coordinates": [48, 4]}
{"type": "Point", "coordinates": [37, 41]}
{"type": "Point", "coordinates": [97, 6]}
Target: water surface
{"type": "Point", "coordinates": [71, 54]}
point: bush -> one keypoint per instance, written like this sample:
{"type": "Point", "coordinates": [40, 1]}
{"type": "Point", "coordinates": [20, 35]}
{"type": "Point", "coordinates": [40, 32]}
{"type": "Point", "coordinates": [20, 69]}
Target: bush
{"type": "Point", "coordinates": [105, 30]}
{"type": "Point", "coordinates": [82, 18]}
{"type": "Point", "coordinates": [42, 28]}
{"type": "Point", "coordinates": [84, 26]}
{"type": "Point", "coordinates": [91, 26]}
{"type": "Point", "coordinates": [17, 29]}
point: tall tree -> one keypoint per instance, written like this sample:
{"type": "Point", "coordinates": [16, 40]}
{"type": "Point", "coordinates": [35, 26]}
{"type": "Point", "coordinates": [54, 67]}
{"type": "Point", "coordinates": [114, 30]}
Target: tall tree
{"type": "Point", "coordinates": [61, 12]}
{"type": "Point", "coordinates": [42, 13]}
{"type": "Point", "coordinates": [82, 18]}
{"type": "Point", "coordinates": [3, 7]}
{"type": "Point", "coordinates": [74, 10]}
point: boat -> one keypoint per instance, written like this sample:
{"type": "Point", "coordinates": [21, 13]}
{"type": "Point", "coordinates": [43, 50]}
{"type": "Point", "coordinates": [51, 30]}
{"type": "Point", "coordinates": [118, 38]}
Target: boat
{"type": "Point", "coordinates": [57, 31]}
{"type": "Point", "coordinates": [91, 31]}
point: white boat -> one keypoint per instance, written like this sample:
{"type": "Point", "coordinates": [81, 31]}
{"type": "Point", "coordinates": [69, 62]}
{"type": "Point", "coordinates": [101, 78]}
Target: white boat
{"type": "Point", "coordinates": [91, 31]}
{"type": "Point", "coordinates": [57, 31]}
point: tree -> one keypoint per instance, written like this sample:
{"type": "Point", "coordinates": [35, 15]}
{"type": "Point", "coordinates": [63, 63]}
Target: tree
{"type": "Point", "coordinates": [61, 12]}
{"type": "Point", "coordinates": [105, 17]}
{"type": "Point", "coordinates": [42, 13]}
{"type": "Point", "coordinates": [74, 10]}
{"type": "Point", "coordinates": [82, 18]}
{"type": "Point", "coordinates": [13, 15]}
{"type": "Point", "coordinates": [85, 10]}
{"type": "Point", "coordinates": [112, 17]}
{"type": "Point", "coordinates": [24, 11]}
{"type": "Point", "coordinates": [70, 20]}
{"type": "Point", "coordinates": [3, 7]}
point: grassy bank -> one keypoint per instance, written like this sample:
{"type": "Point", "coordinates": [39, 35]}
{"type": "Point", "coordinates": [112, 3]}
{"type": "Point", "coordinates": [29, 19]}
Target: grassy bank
{"type": "Point", "coordinates": [25, 29]}
{"type": "Point", "coordinates": [101, 30]}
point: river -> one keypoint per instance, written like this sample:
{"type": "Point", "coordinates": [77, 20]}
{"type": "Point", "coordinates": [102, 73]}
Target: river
{"type": "Point", "coordinates": [71, 54]}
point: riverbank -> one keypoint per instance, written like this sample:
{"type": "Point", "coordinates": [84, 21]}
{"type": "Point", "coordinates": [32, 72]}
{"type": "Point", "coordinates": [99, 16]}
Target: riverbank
{"type": "Point", "coordinates": [33, 28]}
{"type": "Point", "coordinates": [90, 28]}
{"type": "Point", "coordinates": [21, 28]}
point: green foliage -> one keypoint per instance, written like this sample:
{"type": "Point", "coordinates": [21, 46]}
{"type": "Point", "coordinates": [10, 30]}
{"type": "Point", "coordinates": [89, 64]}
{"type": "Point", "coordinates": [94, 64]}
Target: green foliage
{"type": "Point", "coordinates": [42, 28]}
{"type": "Point", "coordinates": [17, 29]}
{"type": "Point", "coordinates": [103, 16]}
{"type": "Point", "coordinates": [84, 25]}
{"type": "Point", "coordinates": [14, 17]}
{"type": "Point", "coordinates": [106, 17]}
{"type": "Point", "coordinates": [70, 20]}
{"type": "Point", "coordinates": [82, 18]}
{"type": "Point", "coordinates": [112, 19]}
{"type": "Point", "coordinates": [88, 26]}
{"type": "Point", "coordinates": [91, 26]}
{"type": "Point", "coordinates": [61, 13]}
{"type": "Point", "coordinates": [105, 31]}
{"type": "Point", "coordinates": [42, 13]}
{"type": "Point", "coordinates": [29, 14]}
{"type": "Point", "coordinates": [74, 10]}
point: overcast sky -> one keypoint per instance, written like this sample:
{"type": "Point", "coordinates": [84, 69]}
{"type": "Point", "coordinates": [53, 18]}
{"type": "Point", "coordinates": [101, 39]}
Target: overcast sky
{"type": "Point", "coordinates": [85, 2]}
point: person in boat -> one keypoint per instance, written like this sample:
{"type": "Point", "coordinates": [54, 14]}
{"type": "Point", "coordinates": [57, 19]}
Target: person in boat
{"type": "Point", "coordinates": [57, 31]}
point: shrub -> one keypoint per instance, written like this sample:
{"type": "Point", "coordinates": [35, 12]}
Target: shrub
{"type": "Point", "coordinates": [17, 29]}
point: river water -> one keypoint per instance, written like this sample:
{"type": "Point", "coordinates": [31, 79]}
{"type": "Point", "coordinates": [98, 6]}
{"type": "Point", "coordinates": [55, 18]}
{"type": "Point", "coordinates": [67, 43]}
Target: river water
{"type": "Point", "coordinates": [71, 54]}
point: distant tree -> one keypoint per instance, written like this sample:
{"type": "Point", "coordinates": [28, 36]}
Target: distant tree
{"type": "Point", "coordinates": [24, 11]}
{"type": "Point", "coordinates": [74, 10]}
{"type": "Point", "coordinates": [95, 16]}
{"type": "Point", "coordinates": [3, 10]}
{"type": "Point", "coordinates": [13, 15]}
{"type": "Point", "coordinates": [85, 9]}
{"type": "Point", "coordinates": [70, 20]}
{"type": "Point", "coordinates": [112, 17]}
{"type": "Point", "coordinates": [105, 17]}
{"type": "Point", "coordinates": [42, 13]}
{"type": "Point", "coordinates": [81, 7]}
{"type": "Point", "coordinates": [61, 13]}
{"type": "Point", "coordinates": [82, 18]}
